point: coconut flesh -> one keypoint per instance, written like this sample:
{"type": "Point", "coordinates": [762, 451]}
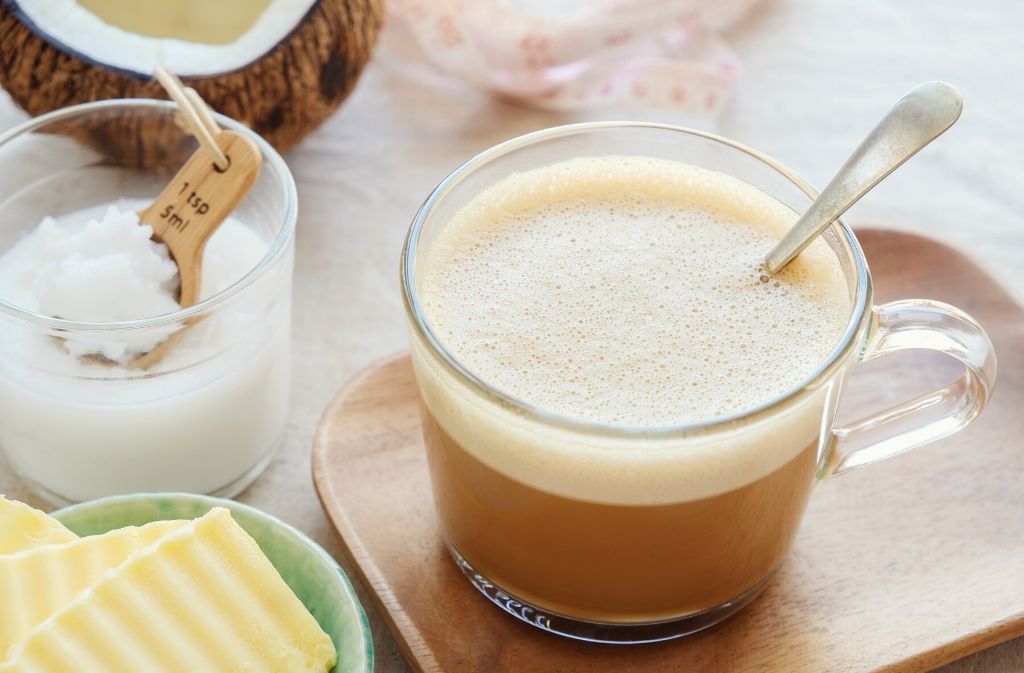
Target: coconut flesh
{"type": "Point", "coordinates": [193, 38]}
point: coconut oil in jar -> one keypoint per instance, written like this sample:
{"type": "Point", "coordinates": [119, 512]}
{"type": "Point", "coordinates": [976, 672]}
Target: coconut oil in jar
{"type": "Point", "coordinates": [83, 294]}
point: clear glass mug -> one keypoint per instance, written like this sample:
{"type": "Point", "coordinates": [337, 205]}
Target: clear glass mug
{"type": "Point", "coordinates": [207, 417]}
{"type": "Point", "coordinates": [644, 549]}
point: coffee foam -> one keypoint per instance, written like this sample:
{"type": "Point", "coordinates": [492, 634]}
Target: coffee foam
{"type": "Point", "coordinates": [627, 291]}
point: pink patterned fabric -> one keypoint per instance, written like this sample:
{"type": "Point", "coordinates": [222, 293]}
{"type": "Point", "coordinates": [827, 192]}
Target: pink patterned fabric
{"type": "Point", "coordinates": [659, 52]}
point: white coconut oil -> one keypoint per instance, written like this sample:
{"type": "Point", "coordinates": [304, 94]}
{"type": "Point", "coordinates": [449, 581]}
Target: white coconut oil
{"type": "Point", "coordinates": [77, 421]}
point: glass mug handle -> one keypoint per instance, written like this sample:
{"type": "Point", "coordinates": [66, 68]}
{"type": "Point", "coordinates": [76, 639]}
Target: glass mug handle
{"type": "Point", "coordinates": [918, 324]}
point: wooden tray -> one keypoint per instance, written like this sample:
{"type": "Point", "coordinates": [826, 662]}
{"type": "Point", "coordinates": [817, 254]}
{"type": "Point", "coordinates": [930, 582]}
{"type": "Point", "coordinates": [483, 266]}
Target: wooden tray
{"type": "Point", "coordinates": [900, 566]}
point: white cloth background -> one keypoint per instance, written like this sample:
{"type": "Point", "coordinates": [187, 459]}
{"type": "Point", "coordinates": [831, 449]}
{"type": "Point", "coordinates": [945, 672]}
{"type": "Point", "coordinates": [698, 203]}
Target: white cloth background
{"type": "Point", "coordinates": [816, 75]}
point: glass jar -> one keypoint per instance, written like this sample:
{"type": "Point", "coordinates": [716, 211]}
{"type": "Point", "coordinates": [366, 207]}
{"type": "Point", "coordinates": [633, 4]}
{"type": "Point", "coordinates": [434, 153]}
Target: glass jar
{"type": "Point", "coordinates": [209, 415]}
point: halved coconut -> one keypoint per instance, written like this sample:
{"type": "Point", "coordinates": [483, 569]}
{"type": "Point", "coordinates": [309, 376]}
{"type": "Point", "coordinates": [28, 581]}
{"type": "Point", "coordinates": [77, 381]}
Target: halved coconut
{"type": "Point", "coordinates": [279, 66]}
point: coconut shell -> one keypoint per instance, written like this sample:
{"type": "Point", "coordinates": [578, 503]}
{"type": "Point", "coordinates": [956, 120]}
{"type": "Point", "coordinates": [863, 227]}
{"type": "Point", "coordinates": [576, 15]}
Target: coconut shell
{"type": "Point", "coordinates": [131, 138]}
{"type": "Point", "coordinates": [282, 95]}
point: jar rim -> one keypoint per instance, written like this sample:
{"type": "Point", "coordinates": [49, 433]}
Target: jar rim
{"type": "Point", "coordinates": [274, 252]}
{"type": "Point", "coordinates": [859, 317]}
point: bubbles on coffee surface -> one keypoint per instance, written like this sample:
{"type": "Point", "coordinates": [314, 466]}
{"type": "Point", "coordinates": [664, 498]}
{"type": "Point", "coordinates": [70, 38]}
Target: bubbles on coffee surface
{"type": "Point", "coordinates": [630, 291]}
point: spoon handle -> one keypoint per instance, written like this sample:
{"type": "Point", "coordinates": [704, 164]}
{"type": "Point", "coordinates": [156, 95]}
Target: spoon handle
{"type": "Point", "coordinates": [914, 121]}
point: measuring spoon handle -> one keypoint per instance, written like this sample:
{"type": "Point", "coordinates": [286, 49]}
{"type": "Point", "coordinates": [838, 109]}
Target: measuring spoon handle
{"type": "Point", "coordinates": [914, 121]}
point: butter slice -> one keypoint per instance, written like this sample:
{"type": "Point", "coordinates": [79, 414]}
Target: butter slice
{"type": "Point", "coordinates": [201, 599]}
{"type": "Point", "coordinates": [38, 582]}
{"type": "Point", "coordinates": [22, 527]}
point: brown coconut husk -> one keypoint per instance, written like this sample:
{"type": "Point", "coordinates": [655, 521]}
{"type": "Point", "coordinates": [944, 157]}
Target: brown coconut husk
{"type": "Point", "coordinates": [137, 138]}
{"type": "Point", "coordinates": [282, 95]}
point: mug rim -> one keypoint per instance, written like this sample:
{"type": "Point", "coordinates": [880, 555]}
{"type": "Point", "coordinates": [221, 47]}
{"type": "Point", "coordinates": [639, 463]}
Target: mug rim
{"type": "Point", "coordinates": [847, 344]}
{"type": "Point", "coordinates": [274, 252]}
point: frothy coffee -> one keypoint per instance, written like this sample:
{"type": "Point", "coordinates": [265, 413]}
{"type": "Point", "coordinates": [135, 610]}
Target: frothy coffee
{"type": "Point", "coordinates": [626, 291]}
{"type": "Point", "coordinates": [629, 291]}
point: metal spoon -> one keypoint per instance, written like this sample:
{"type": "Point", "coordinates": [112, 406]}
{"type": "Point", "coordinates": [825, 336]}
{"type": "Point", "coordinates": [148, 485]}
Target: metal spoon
{"type": "Point", "coordinates": [917, 119]}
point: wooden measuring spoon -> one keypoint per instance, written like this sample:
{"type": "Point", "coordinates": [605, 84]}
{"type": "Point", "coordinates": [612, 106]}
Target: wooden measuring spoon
{"type": "Point", "coordinates": [190, 208]}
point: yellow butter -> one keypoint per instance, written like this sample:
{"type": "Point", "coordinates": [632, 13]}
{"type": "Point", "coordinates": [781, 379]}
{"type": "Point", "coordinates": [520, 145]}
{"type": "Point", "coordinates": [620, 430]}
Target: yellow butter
{"type": "Point", "coordinates": [36, 583]}
{"type": "Point", "coordinates": [22, 527]}
{"type": "Point", "coordinates": [203, 598]}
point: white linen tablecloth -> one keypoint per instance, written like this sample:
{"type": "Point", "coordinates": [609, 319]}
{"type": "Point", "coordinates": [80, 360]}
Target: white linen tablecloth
{"type": "Point", "coordinates": [817, 74]}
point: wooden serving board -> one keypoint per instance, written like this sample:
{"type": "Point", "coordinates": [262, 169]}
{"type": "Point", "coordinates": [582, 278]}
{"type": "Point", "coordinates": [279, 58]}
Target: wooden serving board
{"type": "Point", "coordinates": [899, 566]}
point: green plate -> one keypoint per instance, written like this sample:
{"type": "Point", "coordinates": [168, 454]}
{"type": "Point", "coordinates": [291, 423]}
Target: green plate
{"type": "Point", "coordinates": [310, 571]}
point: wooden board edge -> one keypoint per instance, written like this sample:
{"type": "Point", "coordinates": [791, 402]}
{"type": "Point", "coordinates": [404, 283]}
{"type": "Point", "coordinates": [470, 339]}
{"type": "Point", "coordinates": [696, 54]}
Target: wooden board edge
{"type": "Point", "coordinates": [881, 228]}
{"type": "Point", "coordinates": [959, 648]}
{"type": "Point", "coordinates": [359, 561]}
